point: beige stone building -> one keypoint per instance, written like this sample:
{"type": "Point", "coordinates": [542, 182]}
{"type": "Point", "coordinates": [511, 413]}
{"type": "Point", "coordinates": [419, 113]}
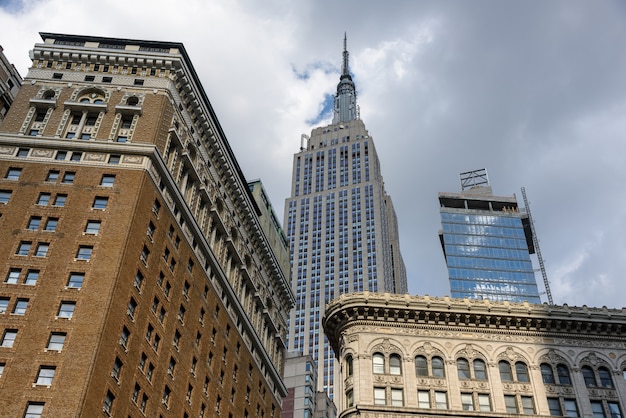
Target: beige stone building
{"type": "Point", "coordinates": [418, 356]}
{"type": "Point", "coordinates": [137, 279]}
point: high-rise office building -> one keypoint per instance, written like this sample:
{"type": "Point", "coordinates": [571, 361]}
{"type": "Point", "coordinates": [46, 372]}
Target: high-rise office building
{"type": "Point", "coordinates": [340, 225]}
{"type": "Point", "coordinates": [487, 243]}
{"type": "Point", "coordinates": [138, 276]}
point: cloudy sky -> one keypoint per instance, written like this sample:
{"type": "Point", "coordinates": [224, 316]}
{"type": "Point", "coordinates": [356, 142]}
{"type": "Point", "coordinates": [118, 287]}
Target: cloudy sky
{"type": "Point", "coordinates": [535, 92]}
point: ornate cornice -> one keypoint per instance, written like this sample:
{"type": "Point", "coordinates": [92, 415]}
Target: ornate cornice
{"type": "Point", "coordinates": [478, 316]}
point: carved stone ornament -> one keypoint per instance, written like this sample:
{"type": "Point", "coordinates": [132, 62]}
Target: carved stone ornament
{"type": "Point", "coordinates": [510, 354]}
{"type": "Point", "coordinates": [7, 150]}
{"type": "Point", "coordinates": [552, 357]}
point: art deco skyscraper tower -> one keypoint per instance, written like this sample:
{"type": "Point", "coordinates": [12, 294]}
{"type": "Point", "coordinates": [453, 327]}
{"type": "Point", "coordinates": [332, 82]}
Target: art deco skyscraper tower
{"type": "Point", "coordinates": [341, 226]}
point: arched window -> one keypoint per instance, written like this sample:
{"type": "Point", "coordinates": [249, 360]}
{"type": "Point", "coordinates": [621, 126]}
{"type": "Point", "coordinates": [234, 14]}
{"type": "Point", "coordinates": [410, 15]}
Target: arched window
{"type": "Point", "coordinates": [605, 377]}
{"type": "Point", "coordinates": [547, 374]}
{"type": "Point", "coordinates": [438, 370]}
{"type": "Point", "coordinates": [563, 373]}
{"type": "Point", "coordinates": [462, 366]}
{"type": "Point", "coordinates": [421, 366]}
{"type": "Point", "coordinates": [395, 364]}
{"type": "Point", "coordinates": [132, 101]}
{"type": "Point", "coordinates": [349, 366]}
{"type": "Point", "coordinates": [480, 371]}
{"type": "Point", "coordinates": [521, 370]}
{"type": "Point", "coordinates": [589, 376]}
{"type": "Point", "coordinates": [505, 371]}
{"type": "Point", "coordinates": [49, 95]}
{"type": "Point", "coordinates": [378, 362]}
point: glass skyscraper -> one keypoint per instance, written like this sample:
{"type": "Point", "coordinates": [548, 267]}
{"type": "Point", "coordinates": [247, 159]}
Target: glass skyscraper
{"type": "Point", "coordinates": [340, 224]}
{"type": "Point", "coordinates": [487, 243]}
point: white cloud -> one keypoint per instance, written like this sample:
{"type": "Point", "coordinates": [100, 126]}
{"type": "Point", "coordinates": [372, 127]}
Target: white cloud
{"type": "Point", "coordinates": [443, 87]}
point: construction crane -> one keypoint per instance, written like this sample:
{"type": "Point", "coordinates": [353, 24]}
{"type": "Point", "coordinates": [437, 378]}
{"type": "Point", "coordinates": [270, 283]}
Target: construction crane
{"type": "Point", "coordinates": [546, 282]}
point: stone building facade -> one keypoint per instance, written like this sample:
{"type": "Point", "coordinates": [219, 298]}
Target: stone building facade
{"type": "Point", "coordinates": [418, 356]}
{"type": "Point", "coordinates": [137, 279]}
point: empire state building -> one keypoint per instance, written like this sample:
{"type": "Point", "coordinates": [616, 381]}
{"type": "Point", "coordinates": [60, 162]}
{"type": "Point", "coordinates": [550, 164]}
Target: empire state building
{"type": "Point", "coordinates": [341, 226]}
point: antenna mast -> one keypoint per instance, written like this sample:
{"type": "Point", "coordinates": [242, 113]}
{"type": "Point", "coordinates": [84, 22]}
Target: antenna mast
{"type": "Point", "coordinates": [546, 282]}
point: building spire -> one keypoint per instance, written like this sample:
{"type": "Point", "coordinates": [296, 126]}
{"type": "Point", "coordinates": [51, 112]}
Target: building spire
{"type": "Point", "coordinates": [345, 69]}
{"type": "Point", "coordinates": [345, 100]}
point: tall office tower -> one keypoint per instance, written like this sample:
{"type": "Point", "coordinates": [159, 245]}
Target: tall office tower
{"type": "Point", "coordinates": [10, 83]}
{"type": "Point", "coordinates": [137, 277]}
{"type": "Point", "coordinates": [340, 224]}
{"type": "Point", "coordinates": [487, 243]}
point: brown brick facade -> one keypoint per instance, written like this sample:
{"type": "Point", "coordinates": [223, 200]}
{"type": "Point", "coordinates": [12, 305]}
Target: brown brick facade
{"type": "Point", "coordinates": [174, 312]}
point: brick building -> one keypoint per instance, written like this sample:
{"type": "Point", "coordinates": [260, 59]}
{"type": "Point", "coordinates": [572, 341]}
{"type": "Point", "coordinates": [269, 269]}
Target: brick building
{"type": "Point", "coordinates": [138, 280]}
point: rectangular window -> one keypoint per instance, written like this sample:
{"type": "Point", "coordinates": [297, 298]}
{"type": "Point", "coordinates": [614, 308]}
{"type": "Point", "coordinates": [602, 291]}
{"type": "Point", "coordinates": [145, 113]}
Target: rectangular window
{"type": "Point", "coordinates": [441, 400]}
{"type": "Point", "coordinates": [484, 403]}
{"type": "Point", "coordinates": [379, 396]}
{"type": "Point", "coordinates": [56, 341]}
{"type": "Point", "coordinates": [76, 280]}
{"type": "Point", "coordinates": [397, 397]}
{"type": "Point", "coordinates": [614, 409]}
{"type": "Point", "coordinates": [76, 156]}
{"type": "Point", "coordinates": [61, 155]}
{"type": "Point", "coordinates": [93, 227]}
{"type": "Point", "coordinates": [45, 376]}
{"type": "Point", "coordinates": [23, 152]}
{"type": "Point", "coordinates": [13, 276]}
{"type": "Point", "coordinates": [571, 409]}
{"type": "Point", "coordinates": [42, 249]}
{"type": "Point", "coordinates": [528, 407]}
{"type": "Point", "coordinates": [467, 401]}
{"type": "Point", "coordinates": [66, 310]}
{"type": "Point", "coordinates": [423, 399]}
{"type": "Point", "coordinates": [124, 336]}
{"type": "Point", "coordinates": [43, 199]}
{"type": "Point", "coordinates": [145, 252]}
{"type": "Point", "coordinates": [33, 223]}
{"type": "Point", "coordinates": [31, 277]}
{"type": "Point", "coordinates": [554, 406]}
{"type": "Point", "coordinates": [107, 405]}
{"type": "Point", "coordinates": [4, 304]}
{"type": "Point", "coordinates": [24, 248]}
{"type": "Point", "coordinates": [5, 195]}
{"type": "Point", "coordinates": [13, 173]}
{"type": "Point", "coordinates": [100, 202]}
{"type": "Point", "coordinates": [20, 307]}
{"type": "Point", "coordinates": [34, 410]}
{"type": "Point", "coordinates": [597, 409]}
{"type": "Point", "coordinates": [114, 159]}
{"type": "Point", "coordinates": [8, 339]}
{"type": "Point", "coordinates": [84, 252]}
{"type": "Point", "coordinates": [68, 177]}
{"type": "Point", "coordinates": [53, 176]}
{"type": "Point", "coordinates": [60, 200]}
{"type": "Point", "coordinates": [107, 180]}
{"type": "Point", "coordinates": [117, 369]}
{"type": "Point", "coordinates": [51, 224]}
{"type": "Point", "coordinates": [138, 281]}
{"type": "Point", "coordinates": [511, 404]}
